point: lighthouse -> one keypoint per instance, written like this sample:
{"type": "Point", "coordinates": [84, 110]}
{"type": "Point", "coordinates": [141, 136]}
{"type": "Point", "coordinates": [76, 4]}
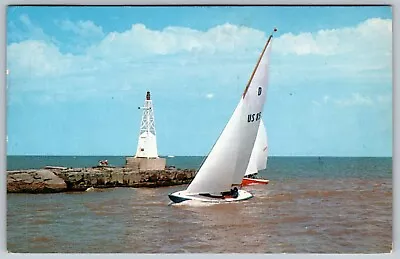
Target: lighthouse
{"type": "Point", "coordinates": [146, 157]}
{"type": "Point", "coordinates": [147, 143]}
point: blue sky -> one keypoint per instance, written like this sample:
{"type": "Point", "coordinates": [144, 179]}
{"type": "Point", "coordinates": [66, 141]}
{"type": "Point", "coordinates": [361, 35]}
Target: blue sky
{"type": "Point", "coordinates": [78, 74]}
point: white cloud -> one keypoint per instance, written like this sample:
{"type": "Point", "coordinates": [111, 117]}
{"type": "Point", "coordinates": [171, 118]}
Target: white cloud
{"type": "Point", "coordinates": [224, 53]}
{"type": "Point", "coordinates": [210, 96]}
{"type": "Point", "coordinates": [36, 58]}
{"type": "Point", "coordinates": [35, 31]}
{"type": "Point", "coordinates": [228, 38]}
{"type": "Point", "coordinates": [27, 30]}
{"type": "Point", "coordinates": [355, 99]}
{"type": "Point", "coordinates": [141, 41]}
{"type": "Point", "coordinates": [33, 58]}
{"type": "Point", "coordinates": [373, 35]}
{"type": "Point", "coordinates": [82, 28]}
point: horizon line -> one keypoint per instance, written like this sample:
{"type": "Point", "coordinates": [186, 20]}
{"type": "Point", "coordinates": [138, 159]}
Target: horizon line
{"type": "Point", "coordinates": [168, 156]}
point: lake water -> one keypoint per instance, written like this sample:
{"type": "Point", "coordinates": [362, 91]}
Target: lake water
{"type": "Point", "coordinates": [312, 205]}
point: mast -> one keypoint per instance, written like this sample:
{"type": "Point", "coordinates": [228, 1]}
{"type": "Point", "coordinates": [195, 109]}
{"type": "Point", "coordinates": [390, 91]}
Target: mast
{"type": "Point", "coordinates": [258, 62]}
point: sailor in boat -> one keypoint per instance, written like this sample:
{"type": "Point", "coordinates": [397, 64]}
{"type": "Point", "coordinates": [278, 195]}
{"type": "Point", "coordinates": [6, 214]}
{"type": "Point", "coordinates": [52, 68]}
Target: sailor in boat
{"type": "Point", "coordinates": [233, 193]}
{"type": "Point", "coordinates": [252, 176]}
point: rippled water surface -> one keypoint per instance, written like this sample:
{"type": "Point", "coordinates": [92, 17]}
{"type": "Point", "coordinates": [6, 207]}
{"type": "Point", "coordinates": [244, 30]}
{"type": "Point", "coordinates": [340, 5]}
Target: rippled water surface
{"type": "Point", "coordinates": [345, 208]}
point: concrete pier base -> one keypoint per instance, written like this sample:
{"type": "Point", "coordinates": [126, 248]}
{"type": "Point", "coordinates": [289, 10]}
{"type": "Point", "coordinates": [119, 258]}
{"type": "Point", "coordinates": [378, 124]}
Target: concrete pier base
{"type": "Point", "coordinates": [145, 164]}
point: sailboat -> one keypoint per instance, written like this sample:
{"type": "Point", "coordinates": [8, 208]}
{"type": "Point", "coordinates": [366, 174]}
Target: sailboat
{"type": "Point", "coordinates": [220, 175]}
{"type": "Point", "coordinates": [258, 159]}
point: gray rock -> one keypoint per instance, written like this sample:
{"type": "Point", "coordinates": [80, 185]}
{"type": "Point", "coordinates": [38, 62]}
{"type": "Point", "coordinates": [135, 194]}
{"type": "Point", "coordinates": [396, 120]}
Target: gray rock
{"type": "Point", "coordinates": [80, 179]}
{"type": "Point", "coordinates": [40, 181]}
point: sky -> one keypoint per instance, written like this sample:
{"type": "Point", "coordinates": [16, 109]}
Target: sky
{"type": "Point", "coordinates": [78, 74]}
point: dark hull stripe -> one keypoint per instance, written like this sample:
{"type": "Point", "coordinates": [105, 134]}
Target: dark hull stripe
{"type": "Point", "coordinates": [177, 199]}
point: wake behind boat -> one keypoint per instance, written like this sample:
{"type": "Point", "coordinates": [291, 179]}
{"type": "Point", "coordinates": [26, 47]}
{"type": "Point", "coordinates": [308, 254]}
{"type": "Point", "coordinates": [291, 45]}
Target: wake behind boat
{"type": "Point", "coordinates": [220, 175]}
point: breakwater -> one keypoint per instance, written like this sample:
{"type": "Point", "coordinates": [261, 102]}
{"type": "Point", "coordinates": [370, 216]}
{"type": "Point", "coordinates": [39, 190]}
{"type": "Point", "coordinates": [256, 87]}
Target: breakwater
{"type": "Point", "coordinates": [51, 180]}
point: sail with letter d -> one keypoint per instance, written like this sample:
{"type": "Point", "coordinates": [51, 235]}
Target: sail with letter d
{"type": "Point", "coordinates": [227, 161]}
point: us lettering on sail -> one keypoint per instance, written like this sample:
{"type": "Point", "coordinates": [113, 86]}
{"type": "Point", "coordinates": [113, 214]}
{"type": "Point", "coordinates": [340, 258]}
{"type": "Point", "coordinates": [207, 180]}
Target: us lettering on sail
{"type": "Point", "coordinates": [250, 117]}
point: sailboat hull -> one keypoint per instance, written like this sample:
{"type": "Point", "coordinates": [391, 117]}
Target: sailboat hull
{"type": "Point", "coordinates": [181, 196]}
{"type": "Point", "coordinates": [250, 181]}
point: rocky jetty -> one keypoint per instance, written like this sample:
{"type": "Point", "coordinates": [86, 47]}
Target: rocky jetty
{"type": "Point", "coordinates": [35, 181]}
{"type": "Point", "coordinates": [52, 180]}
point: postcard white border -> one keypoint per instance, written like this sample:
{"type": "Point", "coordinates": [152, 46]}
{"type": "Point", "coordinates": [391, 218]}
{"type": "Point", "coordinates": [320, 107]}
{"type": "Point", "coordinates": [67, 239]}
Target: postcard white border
{"type": "Point", "coordinates": [396, 122]}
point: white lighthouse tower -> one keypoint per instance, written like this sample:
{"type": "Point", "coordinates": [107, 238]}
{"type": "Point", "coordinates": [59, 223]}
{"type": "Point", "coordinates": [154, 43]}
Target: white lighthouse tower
{"type": "Point", "coordinates": [147, 144]}
{"type": "Point", "coordinates": [146, 157]}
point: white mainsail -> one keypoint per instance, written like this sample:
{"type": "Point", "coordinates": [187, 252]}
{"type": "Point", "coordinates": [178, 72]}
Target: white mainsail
{"type": "Point", "coordinates": [227, 162]}
{"type": "Point", "coordinates": [259, 155]}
